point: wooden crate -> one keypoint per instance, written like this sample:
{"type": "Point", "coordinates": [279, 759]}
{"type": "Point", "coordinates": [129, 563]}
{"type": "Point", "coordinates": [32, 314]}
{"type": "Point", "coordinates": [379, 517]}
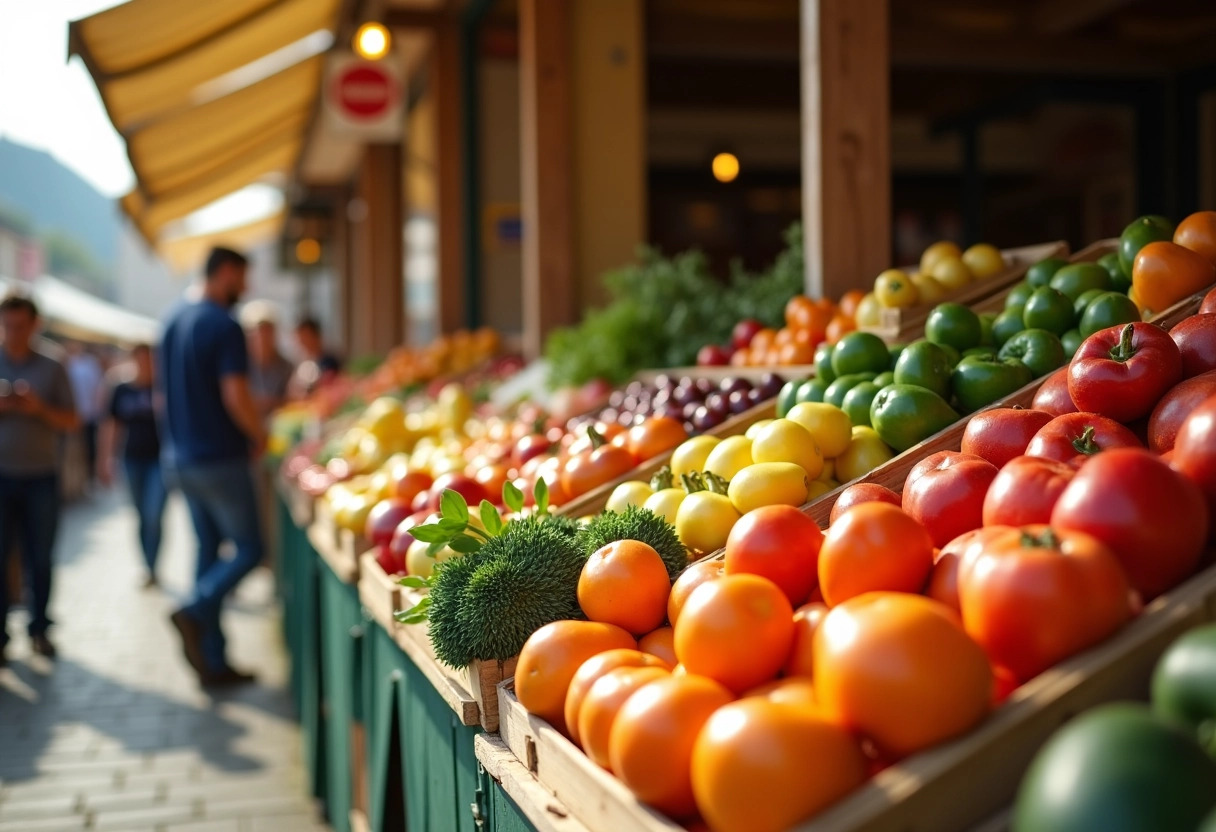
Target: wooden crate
{"type": "Point", "coordinates": [1089, 254]}
{"type": "Point", "coordinates": [300, 506]}
{"type": "Point", "coordinates": [337, 547]}
{"type": "Point", "coordinates": [545, 812]}
{"type": "Point", "coordinates": [947, 788]}
{"type": "Point", "coordinates": [471, 691]}
{"type": "Point", "coordinates": [593, 501]}
{"type": "Point", "coordinates": [719, 373]}
{"type": "Point", "coordinates": [379, 593]}
{"type": "Point", "coordinates": [900, 325]}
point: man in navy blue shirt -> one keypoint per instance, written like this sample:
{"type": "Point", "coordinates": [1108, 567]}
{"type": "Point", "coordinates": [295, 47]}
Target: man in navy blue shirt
{"type": "Point", "coordinates": [212, 434]}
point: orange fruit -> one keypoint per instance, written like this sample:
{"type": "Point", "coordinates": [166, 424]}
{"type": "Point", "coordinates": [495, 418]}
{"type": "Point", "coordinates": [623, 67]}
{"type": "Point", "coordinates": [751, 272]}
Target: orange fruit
{"type": "Point", "coordinates": [849, 302]}
{"type": "Point", "coordinates": [883, 656]}
{"type": "Point", "coordinates": [650, 745]}
{"type": "Point", "coordinates": [626, 584]}
{"type": "Point", "coordinates": [604, 701]}
{"type": "Point", "coordinates": [874, 546]}
{"type": "Point", "coordinates": [807, 619]}
{"type": "Point", "coordinates": [550, 658]}
{"type": "Point", "coordinates": [740, 358]}
{"type": "Point", "coordinates": [736, 630]}
{"type": "Point", "coordinates": [690, 579]}
{"type": "Point", "coordinates": [796, 690]}
{"type": "Point", "coordinates": [839, 327]}
{"type": "Point", "coordinates": [785, 335]}
{"type": "Point", "coordinates": [594, 668]}
{"type": "Point", "coordinates": [1197, 232]}
{"type": "Point", "coordinates": [796, 353]}
{"type": "Point", "coordinates": [661, 644]}
{"type": "Point", "coordinates": [800, 312]}
{"type": "Point", "coordinates": [763, 339]}
{"type": "Point", "coordinates": [762, 766]}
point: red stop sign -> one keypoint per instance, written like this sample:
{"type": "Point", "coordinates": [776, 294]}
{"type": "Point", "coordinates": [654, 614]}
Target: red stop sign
{"type": "Point", "coordinates": [364, 91]}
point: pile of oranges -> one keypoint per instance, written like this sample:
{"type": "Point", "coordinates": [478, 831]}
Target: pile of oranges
{"type": "Point", "coordinates": [808, 323]}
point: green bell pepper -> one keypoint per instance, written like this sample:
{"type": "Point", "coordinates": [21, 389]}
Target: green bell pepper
{"type": "Point", "coordinates": [1038, 349]}
{"type": "Point", "coordinates": [905, 414]}
{"type": "Point", "coordinates": [979, 380]}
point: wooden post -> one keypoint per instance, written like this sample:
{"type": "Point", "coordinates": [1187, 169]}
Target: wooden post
{"type": "Point", "coordinates": [377, 289]}
{"type": "Point", "coordinates": [445, 66]}
{"type": "Point", "coordinates": [545, 170]}
{"type": "Point", "coordinates": [846, 143]}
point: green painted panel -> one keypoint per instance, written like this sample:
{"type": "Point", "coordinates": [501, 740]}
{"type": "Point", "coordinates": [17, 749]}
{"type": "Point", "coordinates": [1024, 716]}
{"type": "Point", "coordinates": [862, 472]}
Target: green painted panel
{"type": "Point", "coordinates": [312, 694]}
{"type": "Point", "coordinates": [341, 624]}
{"type": "Point", "coordinates": [505, 816]}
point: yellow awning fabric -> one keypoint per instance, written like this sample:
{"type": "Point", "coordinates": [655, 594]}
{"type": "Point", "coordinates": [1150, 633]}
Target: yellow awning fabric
{"type": "Point", "coordinates": [151, 61]}
{"type": "Point", "coordinates": [187, 253]}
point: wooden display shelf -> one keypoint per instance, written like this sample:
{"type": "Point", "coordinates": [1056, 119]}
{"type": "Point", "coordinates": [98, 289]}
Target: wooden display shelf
{"type": "Point", "coordinates": [379, 593]}
{"type": "Point", "coordinates": [545, 812]}
{"type": "Point", "coordinates": [900, 325]}
{"type": "Point", "coordinates": [301, 506]}
{"type": "Point", "coordinates": [339, 548]}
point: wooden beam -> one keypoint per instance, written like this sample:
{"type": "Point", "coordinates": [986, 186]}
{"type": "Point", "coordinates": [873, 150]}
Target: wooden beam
{"type": "Point", "coordinates": [413, 19]}
{"type": "Point", "coordinates": [1056, 17]}
{"type": "Point", "coordinates": [846, 144]}
{"type": "Point", "coordinates": [449, 173]}
{"type": "Point", "coordinates": [377, 289]}
{"type": "Point", "coordinates": [545, 170]}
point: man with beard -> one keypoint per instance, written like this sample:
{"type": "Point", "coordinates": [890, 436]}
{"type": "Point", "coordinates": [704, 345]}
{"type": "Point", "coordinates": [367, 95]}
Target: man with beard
{"type": "Point", "coordinates": [212, 433]}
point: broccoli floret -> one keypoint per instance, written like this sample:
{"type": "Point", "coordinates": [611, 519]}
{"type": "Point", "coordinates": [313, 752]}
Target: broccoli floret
{"type": "Point", "coordinates": [635, 523]}
{"type": "Point", "coordinates": [451, 643]}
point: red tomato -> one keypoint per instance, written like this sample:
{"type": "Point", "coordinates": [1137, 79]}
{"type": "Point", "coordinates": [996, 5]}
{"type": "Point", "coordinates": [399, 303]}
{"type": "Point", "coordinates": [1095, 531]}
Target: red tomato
{"type": "Point", "coordinates": [779, 543]}
{"type": "Point", "coordinates": [530, 447]}
{"type": "Point", "coordinates": [1122, 371]}
{"type": "Point", "coordinates": [1052, 396]}
{"type": "Point", "coordinates": [654, 437]}
{"type": "Point", "coordinates": [1195, 450]}
{"type": "Point", "coordinates": [945, 492]}
{"type": "Point", "coordinates": [592, 468]}
{"type": "Point", "coordinates": [1209, 303]}
{"type": "Point", "coordinates": [383, 520]}
{"type": "Point", "coordinates": [409, 484]}
{"type": "Point", "coordinates": [1000, 434]}
{"type": "Point", "coordinates": [943, 580]}
{"type": "Point", "coordinates": [862, 492]}
{"type": "Point", "coordinates": [1175, 406]}
{"type": "Point", "coordinates": [1033, 596]}
{"type": "Point", "coordinates": [466, 487]}
{"type": "Point", "coordinates": [1076, 437]}
{"type": "Point", "coordinates": [1154, 519]}
{"type": "Point", "coordinates": [492, 478]}
{"type": "Point", "coordinates": [1196, 340]}
{"type": "Point", "coordinates": [1025, 491]}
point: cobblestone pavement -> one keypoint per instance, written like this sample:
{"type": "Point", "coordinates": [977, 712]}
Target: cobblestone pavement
{"type": "Point", "coordinates": [116, 734]}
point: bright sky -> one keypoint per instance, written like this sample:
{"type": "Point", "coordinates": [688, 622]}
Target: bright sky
{"type": "Point", "coordinates": [50, 103]}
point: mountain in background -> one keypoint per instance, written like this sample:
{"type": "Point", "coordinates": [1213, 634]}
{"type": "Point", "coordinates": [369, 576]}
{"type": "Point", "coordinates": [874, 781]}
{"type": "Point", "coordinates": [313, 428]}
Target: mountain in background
{"type": "Point", "coordinates": [58, 202]}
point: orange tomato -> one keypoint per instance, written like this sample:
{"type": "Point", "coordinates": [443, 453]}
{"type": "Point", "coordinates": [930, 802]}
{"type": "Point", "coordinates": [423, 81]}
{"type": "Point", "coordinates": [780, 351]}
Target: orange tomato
{"type": "Point", "coordinates": [650, 745]}
{"type": "Point", "coordinates": [740, 358]}
{"type": "Point", "coordinates": [762, 766]}
{"type": "Point", "coordinates": [626, 584]}
{"type": "Point", "coordinates": [493, 477]}
{"type": "Point", "coordinates": [604, 701]}
{"type": "Point", "coordinates": [785, 335]}
{"type": "Point", "coordinates": [826, 305]}
{"type": "Point", "coordinates": [589, 469]}
{"type": "Point", "coordinates": [873, 546]}
{"type": "Point", "coordinates": [849, 301]}
{"type": "Point", "coordinates": [690, 579]}
{"type": "Point", "coordinates": [800, 312]}
{"type": "Point", "coordinates": [763, 339]}
{"type": "Point", "coordinates": [654, 437]}
{"type": "Point", "coordinates": [899, 670]}
{"type": "Point", "coordinates": [661, 644]}
{"type": "Point", "coordinates": [943, 579]}
{"type": "Point", "coordinates": [736, 630]}
{"type": "Point", "coordinates": [796, 353]}
{"type": "Point", "coordinates": [550, 658]}
{"type": "Point", "coordinates": [839, 327]}
{"type": "Point", "coordinates": [807, 619]}
{"type": "Point", "coordinates": [1164, 273]}
{"type": "Point", "coordinates": [795, 690]}
{"type": "Point", "coordinates": [594, 668]}
{"type": "Point", "coordinates": [1197, 232]}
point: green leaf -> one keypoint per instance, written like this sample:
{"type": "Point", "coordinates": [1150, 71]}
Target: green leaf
{"type": "Point", "coordinates": [541, 492]}
{"type": "Point", "coordinates": [414, 582]}
{"type": "Point", "coordinates": [436, 547]}
{"type": "Point", "coordinates": [452, 505]}
{"type": "Point", "coordinates": [490, 518]}
{"type": "Point", "coordinates": [465, 544]}
{"type": "Point", "coordinates": [512, 497]}
{"type": "Point", "coordinates": [430, 533]}
{"type": "Point", "coordinates": [452, 525]}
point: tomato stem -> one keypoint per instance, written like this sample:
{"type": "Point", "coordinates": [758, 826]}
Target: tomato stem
{"type": "Point", "coordinates": [1123, 351]}
{"type": "Point", "coordinates": [1085, 444]}
{"type": "Point", "coordinates": [1045, 540]}
{"type": "Point", "coordinates": [715, 483]}
{"type": "Point", "coordinates": [662, 479]}
{"type": "Point", "coordinates": [597, 439]}
{"type": "Point", "coordinates": [692, 482]}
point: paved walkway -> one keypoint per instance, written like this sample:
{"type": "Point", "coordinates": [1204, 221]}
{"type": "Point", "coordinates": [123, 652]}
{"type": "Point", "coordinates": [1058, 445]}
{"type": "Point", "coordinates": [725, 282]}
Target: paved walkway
{"type": "Point", "coordinates": [116, 734]}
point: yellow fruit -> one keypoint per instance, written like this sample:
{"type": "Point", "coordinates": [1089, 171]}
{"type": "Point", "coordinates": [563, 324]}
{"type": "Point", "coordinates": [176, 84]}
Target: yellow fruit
{"type": "Point", "coordinates": [755, 429]}
{"type": "Point", "coordinates": [952, 273]}
{"type": "Point", "coordinates": [819, 488]}
{"type": "Point", "coordinates": [828, 424]}
{"type": "Point", "coordinates": [787, 441]}
{"type": "Point", "coordinates": [691, 454]}
{"type": "Point", "coordinates": [869, 311]}
{"type": "Point", "coordinates": [829, 470]}
{"type": "Point", "coordinates": [984, 260]}
{"type": "Point", "coordinates": [936, 252]}
{"type": "Point", "coordinates": [895, 290]}
{"type": "Point", "coordinates": [704, 521]}
{"type": "Point", "coordinates": [666, 503]}
{"type": "Point", "coordinates": [865, 453]}
{"type": "Point", "coordinates": [730, 456]}
{"type": "Point", "coordinates": [418, 562]}
{"type": "Point", "coordinates": [632, 493]}
{"type": "Point", "coordinates": [928, 288]}
{"type": "Point", "coordinates": [768, 484]}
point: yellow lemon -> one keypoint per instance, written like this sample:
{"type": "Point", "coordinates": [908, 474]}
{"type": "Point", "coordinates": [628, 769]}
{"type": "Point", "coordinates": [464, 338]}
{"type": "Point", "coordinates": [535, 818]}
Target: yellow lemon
{"type": "Point", "coordinates": [691, 454]}
{"type": "Point", "coordinates": [828, 424]}
{"type": "Point", "coordinates": [787, 441]}
{"type": "Point", "coordinates": [936, 252]}
{"type": "Point", "coordinates": [984, 260]}
{"type": "Point", "coordinates": [730, 456]}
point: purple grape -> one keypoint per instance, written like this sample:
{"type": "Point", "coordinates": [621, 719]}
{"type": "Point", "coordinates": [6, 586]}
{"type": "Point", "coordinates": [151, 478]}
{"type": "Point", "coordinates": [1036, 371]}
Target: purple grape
{"type": "Point", "coordinates": [663, 382]}
{"type": "Point", "coordinates": [731, 384]}
{"type": "Point", "coordinates": [755, 396]}
{"type": "Point", "coordinates": [704, 385]}
{"type": "Point", "coordinates": [705, 419]}
{"type": "Point", "coordinates": [717, 401]}
{"type": "Point", "coordinates": [615, 398]}
{"type": "Point", "coordinates": [634, 388]}
{"type": "Point", "coordinates": [770, 384]}
{"type": "Point", "coordinates": [686, 395]}
{"type": "Point", "coordinates": [609, 414]}
{"type": "Point", "coordinates": [740, 400]}
{"type": "Point", "coordinates": [691, 408]}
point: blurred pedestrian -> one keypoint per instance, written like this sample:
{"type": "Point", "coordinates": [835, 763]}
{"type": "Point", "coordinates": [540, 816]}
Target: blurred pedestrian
{"type": "Point", "coordinates": [131, 423]}
{"type": "Point", "coordinates": [212, 433]}
{"type": "Point", "coordinates": [35, 408]}
{"type": "Point", "coordinates": [269, 371]}
{"type": "Point", "coordinates": [317, 365]}
{"type": "Point", "coordinates": [86, 374]}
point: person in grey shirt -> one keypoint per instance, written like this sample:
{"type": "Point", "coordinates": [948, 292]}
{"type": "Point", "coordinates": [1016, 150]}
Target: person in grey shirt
{"type": "Point", "coordinates": [269, 371]}
{"type": "Point", "coordinates": [35, 408]}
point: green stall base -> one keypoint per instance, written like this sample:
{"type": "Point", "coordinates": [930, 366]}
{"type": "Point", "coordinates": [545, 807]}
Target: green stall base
{"type": "Point", "coordinates": [342, 634]}
{"type": "Point", "coordinates": [422, 772]}
{"type": "Point", "coordinates": [503, 814]}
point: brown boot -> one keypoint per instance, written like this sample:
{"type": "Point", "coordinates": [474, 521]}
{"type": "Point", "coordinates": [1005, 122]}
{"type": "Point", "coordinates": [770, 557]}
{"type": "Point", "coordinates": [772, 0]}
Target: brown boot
{"type": "Point", "coordinates": [192, 646]}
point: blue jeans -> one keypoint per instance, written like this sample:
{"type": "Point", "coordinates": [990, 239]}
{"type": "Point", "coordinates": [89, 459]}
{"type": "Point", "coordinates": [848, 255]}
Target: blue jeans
{"type": "Point", "coordinates": [29, 506]}
{"type": "Point", "coordinates": [146, 482]}
{"type": "Point", "coordinates": [223, 505]}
